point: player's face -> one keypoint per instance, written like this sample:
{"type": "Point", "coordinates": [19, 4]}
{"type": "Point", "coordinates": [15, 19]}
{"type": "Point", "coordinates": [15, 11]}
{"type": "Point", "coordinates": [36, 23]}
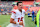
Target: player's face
{"type": "Point", "coordinates": [20, 6]}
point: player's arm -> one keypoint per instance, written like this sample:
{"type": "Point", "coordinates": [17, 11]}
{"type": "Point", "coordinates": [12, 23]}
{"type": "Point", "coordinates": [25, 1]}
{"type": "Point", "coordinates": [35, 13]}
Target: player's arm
{"type": "Point", "coordinates": [21, 23]}
{"type": "Point", "coordinates": [12, 18]}
{"type": "Point", "coordinates": [26, 13]}
{"type": "Point", "coordinates": [12, 21]}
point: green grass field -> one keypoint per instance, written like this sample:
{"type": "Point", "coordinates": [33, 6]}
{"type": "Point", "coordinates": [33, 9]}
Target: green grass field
{"type": "Point", "coordinates": [5, 20]}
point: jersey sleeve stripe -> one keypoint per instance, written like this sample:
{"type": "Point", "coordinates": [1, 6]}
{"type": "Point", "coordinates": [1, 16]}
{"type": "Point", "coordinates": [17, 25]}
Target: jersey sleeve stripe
{"type": "Point", "coordinates": [14, 12]}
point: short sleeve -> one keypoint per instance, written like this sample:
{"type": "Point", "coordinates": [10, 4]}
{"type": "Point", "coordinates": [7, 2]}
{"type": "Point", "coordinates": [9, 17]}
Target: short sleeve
{"type": "Point", "coordinates": [24, 11]}
{"type": "Point", "coordinates": [13, 15]}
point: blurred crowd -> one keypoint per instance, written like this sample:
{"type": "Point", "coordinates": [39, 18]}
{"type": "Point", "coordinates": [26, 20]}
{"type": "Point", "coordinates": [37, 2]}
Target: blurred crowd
{"type": "Point", "coordinates": [6, 7]}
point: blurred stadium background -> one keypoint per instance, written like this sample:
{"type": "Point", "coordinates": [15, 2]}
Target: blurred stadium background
{"type": "Point", "coordinates": [7, 6]}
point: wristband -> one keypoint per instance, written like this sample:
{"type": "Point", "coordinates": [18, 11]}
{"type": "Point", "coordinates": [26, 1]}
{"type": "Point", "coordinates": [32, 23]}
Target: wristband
{"type": "Point", "coordinates": [17, 23]}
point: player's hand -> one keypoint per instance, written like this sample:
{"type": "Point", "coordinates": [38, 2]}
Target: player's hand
{"type": "Point", "coordinates": [14, 22]}
{"type": "Point", "coordinates": [20, 23]}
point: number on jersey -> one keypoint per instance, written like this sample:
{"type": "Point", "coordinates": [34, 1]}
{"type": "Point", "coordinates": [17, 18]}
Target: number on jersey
{"type": "Point", "coordinates": [20, 19]}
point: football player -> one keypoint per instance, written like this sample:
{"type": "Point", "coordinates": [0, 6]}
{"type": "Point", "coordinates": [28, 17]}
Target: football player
{"type": "Point", "coordinates": [17, 16]}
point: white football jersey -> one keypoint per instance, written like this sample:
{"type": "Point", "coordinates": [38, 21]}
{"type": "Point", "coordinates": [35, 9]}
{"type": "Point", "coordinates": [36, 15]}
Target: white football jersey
{"type": "Point", "coordinates": [17, 15]}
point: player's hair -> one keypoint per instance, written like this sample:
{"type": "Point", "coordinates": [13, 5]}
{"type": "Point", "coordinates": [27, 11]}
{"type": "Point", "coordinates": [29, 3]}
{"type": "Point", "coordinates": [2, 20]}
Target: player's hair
{"type": "Point", "coordinates": [18, 3]}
